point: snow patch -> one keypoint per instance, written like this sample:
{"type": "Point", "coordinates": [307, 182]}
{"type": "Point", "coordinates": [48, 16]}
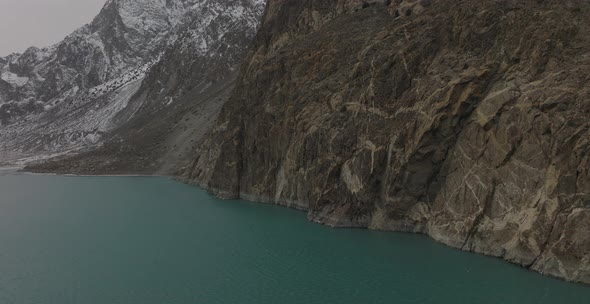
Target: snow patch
{"type": "Point", "coordinates": [14, 79]}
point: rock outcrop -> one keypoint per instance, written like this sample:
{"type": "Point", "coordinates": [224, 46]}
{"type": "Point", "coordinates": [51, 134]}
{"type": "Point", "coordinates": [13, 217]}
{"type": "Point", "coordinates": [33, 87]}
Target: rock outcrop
{"type": "Point", "coordinates": [465, 120]}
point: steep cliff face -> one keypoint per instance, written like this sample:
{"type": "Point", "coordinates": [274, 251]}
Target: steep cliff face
{"type": "Point", "coordinates": [465, 120]}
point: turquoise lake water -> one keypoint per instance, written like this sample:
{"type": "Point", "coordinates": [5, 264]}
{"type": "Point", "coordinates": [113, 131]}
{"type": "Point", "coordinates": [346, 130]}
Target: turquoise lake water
{"type": "Point", "coordinates": [134, 240]}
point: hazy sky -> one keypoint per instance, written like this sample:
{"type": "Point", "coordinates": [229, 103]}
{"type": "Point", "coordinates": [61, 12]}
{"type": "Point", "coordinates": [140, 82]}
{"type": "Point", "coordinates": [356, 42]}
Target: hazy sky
{"type": "Point", "coordinates": [25, 23]}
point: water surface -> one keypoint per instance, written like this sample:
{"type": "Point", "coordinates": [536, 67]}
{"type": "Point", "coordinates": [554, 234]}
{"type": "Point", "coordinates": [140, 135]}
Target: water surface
{"type": "Point", "coordinates": [109, 240]}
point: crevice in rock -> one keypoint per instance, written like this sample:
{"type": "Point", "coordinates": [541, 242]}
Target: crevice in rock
{"type": "Point", "coordinates": [510, 153]}
{"type": "Point", "coordinates": [545, 244]}
{"type": "Point", "coordinates": [486, 207]}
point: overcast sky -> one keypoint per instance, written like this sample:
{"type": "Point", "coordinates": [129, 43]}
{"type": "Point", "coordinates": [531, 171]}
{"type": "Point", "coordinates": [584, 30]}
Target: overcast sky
{"type": "Point", "coordinates": [25, 23]}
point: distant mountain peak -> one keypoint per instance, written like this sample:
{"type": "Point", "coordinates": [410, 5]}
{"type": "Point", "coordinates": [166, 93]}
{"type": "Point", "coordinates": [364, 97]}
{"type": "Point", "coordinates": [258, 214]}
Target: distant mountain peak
{"type": "Point", "coordinates": [52, 98]}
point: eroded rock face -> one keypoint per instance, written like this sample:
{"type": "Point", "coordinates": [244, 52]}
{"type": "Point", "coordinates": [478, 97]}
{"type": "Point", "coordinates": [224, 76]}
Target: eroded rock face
{"type": "Point", "coordinates": [465, 120]}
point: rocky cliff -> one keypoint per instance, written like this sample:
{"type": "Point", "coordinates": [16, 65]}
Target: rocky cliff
{"type": "Point", "coordinates": [465, 120]}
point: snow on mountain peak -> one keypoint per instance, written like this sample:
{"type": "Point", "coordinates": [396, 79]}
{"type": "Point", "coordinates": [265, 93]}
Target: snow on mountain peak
{"type": "Point", "coordinates": [61, 95]}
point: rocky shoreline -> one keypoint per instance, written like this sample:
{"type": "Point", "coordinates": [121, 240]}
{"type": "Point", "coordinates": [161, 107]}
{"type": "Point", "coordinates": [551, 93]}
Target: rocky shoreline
{"type": "Point", "coordinates": [337, 223]}
{"type": "Point", "coordinates": [469, 125]}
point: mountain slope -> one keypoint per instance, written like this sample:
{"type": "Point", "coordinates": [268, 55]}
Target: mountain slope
{"type": "Point", "coordinates": [465, 120]}
{"type": "Point", "coordinates": [74, 95]}
{"type": "Point", "coordinates": [180, 96]}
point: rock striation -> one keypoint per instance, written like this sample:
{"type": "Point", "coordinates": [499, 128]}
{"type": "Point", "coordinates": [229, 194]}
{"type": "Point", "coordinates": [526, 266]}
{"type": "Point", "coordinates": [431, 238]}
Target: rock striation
{"type": "Point", "coordinates": [465, 120]}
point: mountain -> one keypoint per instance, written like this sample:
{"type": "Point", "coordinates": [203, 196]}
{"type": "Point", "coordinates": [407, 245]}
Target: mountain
{"type": "Point", "coordinates": [134, 59]}
{"type": "Point", "coordinates": [465, 120]}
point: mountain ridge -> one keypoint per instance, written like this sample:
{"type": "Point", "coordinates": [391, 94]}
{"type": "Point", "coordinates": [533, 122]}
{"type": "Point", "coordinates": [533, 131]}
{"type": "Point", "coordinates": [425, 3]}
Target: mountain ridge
{"type": "Point", "coordinates": [72, 96]}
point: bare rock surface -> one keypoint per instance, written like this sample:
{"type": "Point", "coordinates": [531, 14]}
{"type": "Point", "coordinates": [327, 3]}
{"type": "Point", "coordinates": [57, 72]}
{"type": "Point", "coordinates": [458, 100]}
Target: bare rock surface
{"type": "Point", "coordinates": [465, 120]}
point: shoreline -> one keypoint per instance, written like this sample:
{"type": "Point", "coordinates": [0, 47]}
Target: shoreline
{"type": "Point", "coordinates": [9, 169]}
{"type": "Point", "coordinates": [296, 206]}
{"type": "Point", "coordinates": [20, 169]}
{"type": "Point", "coordinates": [338, 224]}
{"type": "Point", "coordinates": [92, 175]}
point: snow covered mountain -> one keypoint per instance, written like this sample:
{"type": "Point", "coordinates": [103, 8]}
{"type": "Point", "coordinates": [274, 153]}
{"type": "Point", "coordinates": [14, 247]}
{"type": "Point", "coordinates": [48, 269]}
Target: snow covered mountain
{"type": "Point", "coordinates": [73, 95]}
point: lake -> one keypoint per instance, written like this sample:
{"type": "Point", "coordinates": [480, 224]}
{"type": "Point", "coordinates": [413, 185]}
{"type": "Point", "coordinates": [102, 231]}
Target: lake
{"type": "Point", "coordinates": [142, 240]}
